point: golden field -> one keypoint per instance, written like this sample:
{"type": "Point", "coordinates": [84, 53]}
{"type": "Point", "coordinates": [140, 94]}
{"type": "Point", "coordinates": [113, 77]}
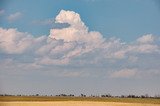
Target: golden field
{"type": "Point", "coordinates": [73, 103]}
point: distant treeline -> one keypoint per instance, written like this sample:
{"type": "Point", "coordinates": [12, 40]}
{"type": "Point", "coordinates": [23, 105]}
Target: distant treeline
{"type": "Point", "coordinates": [83, 95]}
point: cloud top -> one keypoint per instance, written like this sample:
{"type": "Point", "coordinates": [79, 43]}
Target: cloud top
{"type": "Point", "coordinates": [77, 31]}
{"type": "Point", "coordinates": [146, 39]}
{"type": "Point", "coordinates": [71, 18]}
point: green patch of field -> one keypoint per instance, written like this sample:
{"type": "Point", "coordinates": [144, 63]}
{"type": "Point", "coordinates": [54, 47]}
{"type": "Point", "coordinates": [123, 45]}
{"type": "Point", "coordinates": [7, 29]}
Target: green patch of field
{"type": "Point", "coordinates": [97, 99]}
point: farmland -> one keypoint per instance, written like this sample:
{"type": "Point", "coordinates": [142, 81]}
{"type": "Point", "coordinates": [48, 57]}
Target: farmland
{"type": "Point", "coordinates": [74, 103]}
{"type": "Point", "coordinates": [78, 101]}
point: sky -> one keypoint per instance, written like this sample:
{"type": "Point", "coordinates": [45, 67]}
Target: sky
{"type": "Point", "coordinates": [80, 46]}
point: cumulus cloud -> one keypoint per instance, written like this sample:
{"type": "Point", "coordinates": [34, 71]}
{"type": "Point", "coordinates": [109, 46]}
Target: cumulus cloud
{"type": "Point", "coordinates": [77, 31]}
{"type": "Point", "coordinates": [146, 39]}
{"type": "Point", "coordinates": [14, 17]}
{"type": "Point", "coordinates": [76, 46]}
{"type": "Point", "coordinates": [15, 42]}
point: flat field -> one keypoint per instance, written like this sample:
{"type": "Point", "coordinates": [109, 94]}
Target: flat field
{"type": "Point", "coordinates": [75, 101]}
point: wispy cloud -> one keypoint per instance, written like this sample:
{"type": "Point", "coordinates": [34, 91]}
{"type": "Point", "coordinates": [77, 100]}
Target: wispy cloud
{"type": "Point", "coordinates": [2, 12]}
{"type": "Point", "coordinates": [14, 16]}
{"type": "Point", "coordinates": [51, 23]}
{"type": "Point", "coordinates": [124, 73]}
{"type": "Point", "coordinates": [90, 0]}
{"type": "Point", "coordinates": [43, 22]}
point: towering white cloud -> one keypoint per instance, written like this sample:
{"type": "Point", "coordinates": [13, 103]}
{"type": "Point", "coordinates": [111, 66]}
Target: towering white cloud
{"type": "Point", "coordinates": [77, 31]}
{"type": "Point", "coordinates": [71, 18]}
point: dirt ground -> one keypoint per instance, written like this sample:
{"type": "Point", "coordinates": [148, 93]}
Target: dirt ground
{"type": "Point", "coordinates": [73, 103]}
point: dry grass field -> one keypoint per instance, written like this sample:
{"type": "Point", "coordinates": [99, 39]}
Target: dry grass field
{"type": "Point", "coordinates": [73, 103]}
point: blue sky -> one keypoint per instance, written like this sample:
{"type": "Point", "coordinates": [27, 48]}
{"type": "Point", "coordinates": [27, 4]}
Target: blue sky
{"type": "Point", "coordinates": [124, 19]}
{"type": "Point", "coordinates": [83, 46]}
